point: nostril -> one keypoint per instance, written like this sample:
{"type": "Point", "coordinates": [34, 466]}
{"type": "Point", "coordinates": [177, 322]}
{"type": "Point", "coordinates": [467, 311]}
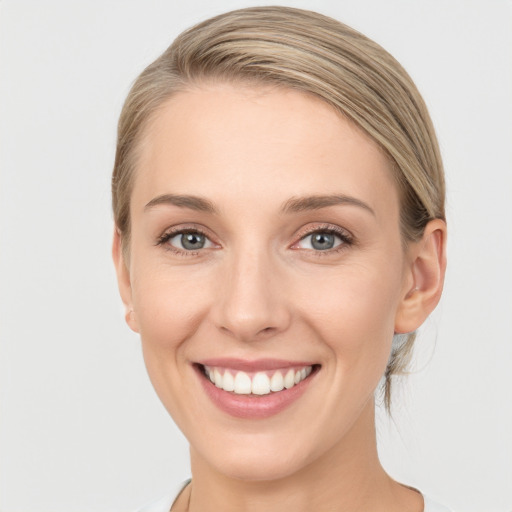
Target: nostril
{"type": "Point", "coordinates": [266, 332]}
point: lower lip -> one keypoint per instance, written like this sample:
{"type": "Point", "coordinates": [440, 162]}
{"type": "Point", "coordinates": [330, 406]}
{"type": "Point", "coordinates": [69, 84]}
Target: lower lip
{"type": "Point", "coordinates": [253, 406]}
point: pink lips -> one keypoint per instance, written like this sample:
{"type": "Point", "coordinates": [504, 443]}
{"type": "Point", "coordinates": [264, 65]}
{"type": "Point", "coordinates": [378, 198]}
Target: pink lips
{"type": "Point", "coordinates": [252, 406]}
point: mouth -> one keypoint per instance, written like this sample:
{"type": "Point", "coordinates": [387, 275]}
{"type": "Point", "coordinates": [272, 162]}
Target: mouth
{"type": "Point", "coordinates": [256, 383]}
{"type": "Point", "coordinates": [254, 390]}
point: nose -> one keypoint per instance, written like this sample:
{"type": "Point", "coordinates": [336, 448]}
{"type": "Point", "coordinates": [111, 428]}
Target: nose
{"type": "Point", "coordinates": [252, 302]}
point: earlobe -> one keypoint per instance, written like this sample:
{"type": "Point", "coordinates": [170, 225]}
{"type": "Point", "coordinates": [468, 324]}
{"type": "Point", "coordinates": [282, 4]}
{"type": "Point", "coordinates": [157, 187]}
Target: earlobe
{"type": "Point", "coordinates": [426, 273]}
{"type": "Point", "coordinates": [123, 280]}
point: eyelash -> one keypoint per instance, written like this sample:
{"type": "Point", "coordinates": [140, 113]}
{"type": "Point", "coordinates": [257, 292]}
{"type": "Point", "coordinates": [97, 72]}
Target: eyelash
{"type": "Point", "coordinates": [163, 239]}
{"type": "Point", "coordinates": [346, 240]}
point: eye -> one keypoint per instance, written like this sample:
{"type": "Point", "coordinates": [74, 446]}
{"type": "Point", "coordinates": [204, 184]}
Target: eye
{"type": "Point", "coordinates": [186, 241]}
{"type": "Point", "coordinates": [190, 241]}
{"type": "Point", "coordinates": [322, 240]}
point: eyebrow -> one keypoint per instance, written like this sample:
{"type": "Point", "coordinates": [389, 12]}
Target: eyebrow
{"type": "Point", "coordinates": [293, 205]}
{"type": "Point", "coordinates": [183, 201]}
{"type": "Point", "coordinates": [300, 204]}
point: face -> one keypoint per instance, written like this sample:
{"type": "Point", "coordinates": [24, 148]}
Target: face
{"type": "Point", "coordinates": [266, 257]}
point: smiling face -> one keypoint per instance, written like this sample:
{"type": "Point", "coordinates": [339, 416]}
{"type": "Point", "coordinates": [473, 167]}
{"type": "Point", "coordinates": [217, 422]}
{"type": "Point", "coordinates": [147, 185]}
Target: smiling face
{"type": "Point", "coordinates": [265, 244]}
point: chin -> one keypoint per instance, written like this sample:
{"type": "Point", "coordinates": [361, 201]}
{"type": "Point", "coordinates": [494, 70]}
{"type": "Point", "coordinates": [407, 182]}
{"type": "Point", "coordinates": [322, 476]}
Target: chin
{"type": "Point", "coordinates": [258, 458]}
{"type": "Point", "coordinates": [259, 468]}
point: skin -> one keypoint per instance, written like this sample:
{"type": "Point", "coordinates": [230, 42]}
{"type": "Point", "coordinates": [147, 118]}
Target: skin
{"type": "Point", "coordinates": [259, 289]}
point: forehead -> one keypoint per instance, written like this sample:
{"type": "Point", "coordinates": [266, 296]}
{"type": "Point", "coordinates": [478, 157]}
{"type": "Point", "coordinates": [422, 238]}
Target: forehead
{"type": "Point", "coordinates": [226, 141]}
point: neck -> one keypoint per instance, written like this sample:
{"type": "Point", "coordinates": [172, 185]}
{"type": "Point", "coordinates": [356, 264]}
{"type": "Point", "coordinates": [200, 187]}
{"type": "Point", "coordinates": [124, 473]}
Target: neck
{"type": "Point", "coordinates": [348, 477]}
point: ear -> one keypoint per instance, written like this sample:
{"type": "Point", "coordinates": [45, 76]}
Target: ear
{"type": "Point", "coordinates": [123, 280]}
{"type": "Point", "coordinates": [425, 278]}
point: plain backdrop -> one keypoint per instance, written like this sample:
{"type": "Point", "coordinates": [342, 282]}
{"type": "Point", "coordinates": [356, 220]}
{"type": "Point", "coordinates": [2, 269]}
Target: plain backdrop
{"type": "Point", "coordinates": [80, 426]}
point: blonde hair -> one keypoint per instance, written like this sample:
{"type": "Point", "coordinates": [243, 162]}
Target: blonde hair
{"type": "Point", "coordinates": [315, 54]}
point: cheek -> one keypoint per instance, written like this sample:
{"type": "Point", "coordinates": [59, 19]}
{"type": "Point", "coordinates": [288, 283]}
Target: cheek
{"type": "Point", "coordinates": [353, 311]}
{"type": "Point", "coordinates": [170, 305]}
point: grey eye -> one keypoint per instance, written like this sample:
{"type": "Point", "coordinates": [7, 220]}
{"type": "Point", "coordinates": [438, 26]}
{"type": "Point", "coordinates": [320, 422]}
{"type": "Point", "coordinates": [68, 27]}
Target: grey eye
{"type": "Point", "coordinates": [320, 241]}
{"type": "Point", "coordinates": [190, 241]}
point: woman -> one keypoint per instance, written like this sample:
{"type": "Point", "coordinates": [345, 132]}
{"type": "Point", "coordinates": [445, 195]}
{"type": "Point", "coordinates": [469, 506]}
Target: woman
{"type": "Point", "coordinates": [279, 203]}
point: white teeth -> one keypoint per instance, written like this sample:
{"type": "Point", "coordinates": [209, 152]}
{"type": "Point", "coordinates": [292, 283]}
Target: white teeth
{"type": "Point", "coordinates": [289, 379]}
{"type": "Point", "coordinates": [242, 384]}
{"type": "Point", "coordinates": [228, 383]}
{"type": "Point", "coordinates": [277, 382]}
{"type": "Point", "coordinates": [209, 373]}
{"type": "Point", "coordinates": [259, 384]}
{"type": "Point", "coordinates": [218, 378]}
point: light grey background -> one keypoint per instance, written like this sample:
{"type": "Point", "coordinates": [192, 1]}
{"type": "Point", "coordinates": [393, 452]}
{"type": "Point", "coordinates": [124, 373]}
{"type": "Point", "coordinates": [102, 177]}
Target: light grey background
{"type": "Point", "coordinates": [80, 426]}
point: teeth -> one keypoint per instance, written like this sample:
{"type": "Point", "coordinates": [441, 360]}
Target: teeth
{"type": "Point", "coordinates": [277, 382]}
{"type": "Point", "coordinates": [228, 383]}
{"type": "Point", "coordinates": [242, 384]}
{"type": "Point", "coordinates": [259, 383]}
{"type": "Point", "coordinates": [217, 378]}
{"type": "Point", "coordinates": [289, 379]}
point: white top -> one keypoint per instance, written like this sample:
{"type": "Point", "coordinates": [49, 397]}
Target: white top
{"type": "Point", "coordinates": [165, 503]}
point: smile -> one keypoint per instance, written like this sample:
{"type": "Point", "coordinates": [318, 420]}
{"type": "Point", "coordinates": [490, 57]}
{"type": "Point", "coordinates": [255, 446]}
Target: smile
{"type": "Point", "coordinates": [259, 383]}
{"type": "Point", "coordinates": [257, 389]}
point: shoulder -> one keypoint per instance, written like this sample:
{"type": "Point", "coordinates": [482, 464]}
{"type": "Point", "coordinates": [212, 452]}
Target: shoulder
{"type": "Point", "coordinates": [432, 506]}
{"type": "Point", "coordinates": [165, 503]}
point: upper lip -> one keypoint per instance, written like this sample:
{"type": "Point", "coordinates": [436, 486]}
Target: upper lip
{"type": "Point", "coordinates": [253, 365]}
